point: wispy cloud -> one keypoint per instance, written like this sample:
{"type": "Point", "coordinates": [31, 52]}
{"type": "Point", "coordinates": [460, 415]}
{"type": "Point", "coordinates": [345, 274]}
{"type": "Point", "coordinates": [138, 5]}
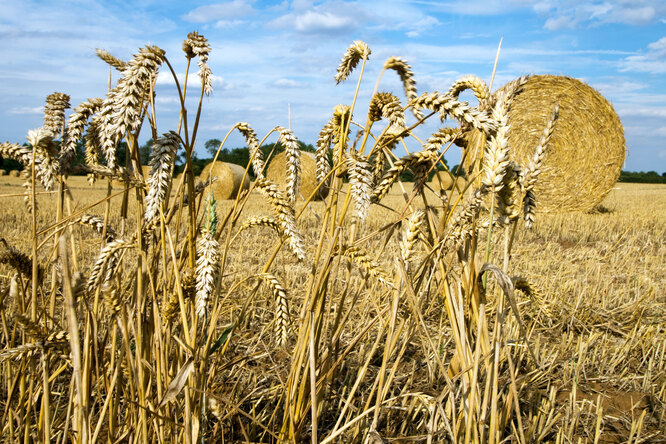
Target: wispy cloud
{"type": "Point", "coordinates": [574, 13]}
{"type": "Point", "coordinates": [219, 11]}
{"type": "Point", "coordinates": [19, 110]}
{"type": "Point", "coordinates": [652, 61]}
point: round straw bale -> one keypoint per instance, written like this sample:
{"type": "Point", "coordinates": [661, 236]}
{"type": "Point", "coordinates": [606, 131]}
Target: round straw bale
{"type": "Point", "coordinates": [14, 173]}
{"type": "Point", "coordinates": [277, 172]}
{"type": "Point", "coordinates": [228, 182]}
{"type": "Point", "coordinates": [586, 151]}
{"type": "Point", "coordinates": [441, 181]}
{"type": "Point", "coordinates": [145, 169]}
{"type": "Point", "coordinates": [444, 181]}
{"type": "Point", "coordinates": [3, 173]}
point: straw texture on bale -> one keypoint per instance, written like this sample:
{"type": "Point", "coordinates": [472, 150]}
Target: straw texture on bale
{"type": "Point", "coordinates": [586, 151]}
{"type": "Point", "coordinates": [228, 182]}
{"type": "Point", "coordinates": [14, 173]}
{"type": "Point", "coordinates": [277, 172]}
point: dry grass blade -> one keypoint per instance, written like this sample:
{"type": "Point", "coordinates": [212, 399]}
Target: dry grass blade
{"type": "Point", "coordinates": [178, 382]}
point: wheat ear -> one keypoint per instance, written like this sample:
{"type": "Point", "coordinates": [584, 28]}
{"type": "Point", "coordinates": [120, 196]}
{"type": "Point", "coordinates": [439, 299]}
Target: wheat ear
{"type": "Point", "coordinates": [54, 111]}
{"type": "Point", "coordinates": [111, 60]}
{"type": "Point", "coordinates": [400, 66]}
{"type": "Point", "coordinates": [285, 216]}
{"type": "Point", "coordinates": [360, 184]}
{"type": "Point", "coordinates": [366, 263]}
{"type": "Point", "coordinates": [411, 235]}
{"type": "Point", "coordinates": [399, 167]}
{"type": "Point", "coordinates": [356, 52]}
{"type": "Point", "coordinates": [293, 154]}
{"type": "Point", "coordinates": [534, 168]}
{"type": "Point", "coordinates": [478, 86]}
{"type": "Point", "coordinates": [281, 308]}
{"type": "Point", "coordinates": [461, 111]}
{"type": "Point", "coordinates": [121, 110]}
{"type": "Point", "coordinates": [253, 144]}
{"type": "Point", "coordinates": [197, 45]}
{"type": "Point", "coordinates": [385, 104]}
{"type": "Point", "coordinates": [164, 154]}
{"type": "Point", "coordinates": [77, 122]}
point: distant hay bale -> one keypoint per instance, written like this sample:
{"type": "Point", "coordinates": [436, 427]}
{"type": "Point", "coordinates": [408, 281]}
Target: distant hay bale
{"type": "Point", "coordinates": [14, 173]}
{"type": "Point", "coordinates": [3, 173]}
{"type": "Point", "coordinates": [228, 183]}
{"type": "Point", "coordinates": [145, 169]}
{"type": "Point", "coordinates": [587, 148]}
{"type": "Point", "coordinates": [277, 172]}
{"type": "Point", "coordinates": [444, 181]}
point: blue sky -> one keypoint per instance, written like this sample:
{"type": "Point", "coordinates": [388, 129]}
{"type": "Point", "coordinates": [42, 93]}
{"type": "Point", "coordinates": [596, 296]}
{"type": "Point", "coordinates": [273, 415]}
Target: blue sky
{"type": "Point", "coordinates": [267, 56]}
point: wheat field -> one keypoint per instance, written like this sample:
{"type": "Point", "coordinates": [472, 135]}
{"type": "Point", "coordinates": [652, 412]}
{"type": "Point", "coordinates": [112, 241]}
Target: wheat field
{"type": "Point", "coordinates": [143, 309]}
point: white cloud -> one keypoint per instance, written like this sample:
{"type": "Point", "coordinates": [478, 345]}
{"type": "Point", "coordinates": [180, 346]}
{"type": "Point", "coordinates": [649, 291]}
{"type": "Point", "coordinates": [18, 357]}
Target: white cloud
{"type": "Point", "coordinates": [653, 61]}
{"type": "Point", "coordinates": [315, 22]}
{"type": "Point", "coordinates": [226, 24]}
{"type": "Point", "coordinates": [576, 13]}
{"type": "Point", "coordinates": [18, 110]}
{"type": "Point", "coordinates": [219, 11]}
{"type": "Point", "coordinates": [287, 83]}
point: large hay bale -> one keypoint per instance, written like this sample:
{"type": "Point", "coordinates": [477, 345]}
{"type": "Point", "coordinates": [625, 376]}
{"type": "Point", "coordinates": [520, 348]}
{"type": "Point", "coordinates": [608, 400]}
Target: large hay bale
{"type": "Point", "coordinates": [586, 150]}
{"type": "Point", "coordinates": [14, 173]}
{"type": "Point", "coordinates": [277, 172]}
{"type": "Point", "coordinates": [444, 181]}
{"type": "Point", "coordinates": [228, 182]}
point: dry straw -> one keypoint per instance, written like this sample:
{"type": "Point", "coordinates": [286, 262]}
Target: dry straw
{"type": "Point", "coordinates": [586, 150]}
{"type": "Point", "coordinates": [277, 172]}
{"type": "Point", "coordinates": [229, 179]}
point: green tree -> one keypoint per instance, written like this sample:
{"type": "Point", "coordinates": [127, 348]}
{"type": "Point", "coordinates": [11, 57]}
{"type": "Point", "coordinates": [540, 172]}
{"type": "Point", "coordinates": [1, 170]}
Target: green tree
{"type": "Point", "coordinates": [212, 145]}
